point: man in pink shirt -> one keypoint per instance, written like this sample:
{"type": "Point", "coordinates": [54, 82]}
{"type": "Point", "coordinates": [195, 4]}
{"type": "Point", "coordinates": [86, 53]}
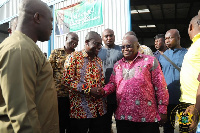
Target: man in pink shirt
{"type": "Point", "coordinates": [141, 90]}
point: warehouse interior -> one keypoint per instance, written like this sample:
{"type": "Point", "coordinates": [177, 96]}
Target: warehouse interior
{"type": "Point", "coordinates": [152, 17]}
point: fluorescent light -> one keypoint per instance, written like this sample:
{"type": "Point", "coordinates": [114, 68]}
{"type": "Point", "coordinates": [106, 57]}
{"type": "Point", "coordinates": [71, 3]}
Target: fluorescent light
{"type": "Point", "coordinates": [151, 26]}
{"type": "Point", "coordinates": [147, 26]}
{"type": "Point", "coordinates": [140, 11]}
{"type": "Point", "coordinates": [134, 11]}
{"type": "Point", "coordinates": [143, 11]}
{"type": "Point", "coordinates": [143, 26]}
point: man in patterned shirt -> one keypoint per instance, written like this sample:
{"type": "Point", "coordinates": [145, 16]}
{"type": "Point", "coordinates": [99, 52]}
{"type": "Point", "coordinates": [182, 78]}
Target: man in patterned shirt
{"type": "Point", "coordinates": [83, 75]}
{"type": "Point", "coordinates": [57, 59]}
{"type": "Point", "coordinates": [142, 97]}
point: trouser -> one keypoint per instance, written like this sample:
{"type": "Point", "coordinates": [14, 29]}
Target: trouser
{"type": "Point", "coordinates": [124, 126]}
{"type": "Point", "coordinates": [111, 108]}
{"type": "Point", "coordinates": [169, 125]}
{"type": "Point", "coordinates": [63, 110]}
{"type": "Point", "coordinates": [88, 125]}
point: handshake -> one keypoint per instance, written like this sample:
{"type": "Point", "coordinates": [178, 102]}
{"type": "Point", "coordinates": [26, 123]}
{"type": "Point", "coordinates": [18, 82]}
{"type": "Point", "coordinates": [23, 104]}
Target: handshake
{"type": "Point", "coordinates": [97, 92]}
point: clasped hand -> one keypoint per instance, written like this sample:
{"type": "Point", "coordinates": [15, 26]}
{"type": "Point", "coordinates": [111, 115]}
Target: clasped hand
{"type": "Point", "coordinates": [97, 92]}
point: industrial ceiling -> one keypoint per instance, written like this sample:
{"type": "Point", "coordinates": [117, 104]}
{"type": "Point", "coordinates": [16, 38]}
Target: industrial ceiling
{"type": "Point", "coordinates": [165, 15]}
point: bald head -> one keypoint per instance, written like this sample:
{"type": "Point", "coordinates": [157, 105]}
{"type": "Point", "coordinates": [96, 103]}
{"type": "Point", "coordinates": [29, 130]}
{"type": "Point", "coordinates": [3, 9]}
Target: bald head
{"type": "Point", "coordinates": [107, 30]}
{"type": "Point", "coordinates": [131, 38]}
{"type": "Point", "coordinates": [130, 33]}
{"type": "Point", "coordinates": [195, 21]}
{"type": "Point", "coordinates": [194, 26]}
{"type": "Point", "coordinates": [91, 35]}
{"type": "Point", "coordinates": [108, 38]}
{"type": "Point", "coordinates": [130, 47]}
{"type": "Point", "coordinates": [172, 39]}
{"type": "Point", "coordinates": [93, 43]}
{"type": "Point", "coordinates": [71, 34]}
{"type": "Point", "coordinates": [35, 20]}
{"type": "Point", "coordinates": [71, 42]}
{"type": "Point", "coordinates": [174, 32]}
{"type": "Point", "coordinates": [199, 13]}
{"type": "Point", "coordinates": [28, 8]}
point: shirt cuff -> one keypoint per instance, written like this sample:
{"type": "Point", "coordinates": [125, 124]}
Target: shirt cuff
{"type": "Point", "coordinates": [107, 92]}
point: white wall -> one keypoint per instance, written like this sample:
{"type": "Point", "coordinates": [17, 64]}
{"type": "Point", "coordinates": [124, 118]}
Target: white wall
{"type": "Point", "coordinates": [43, 46]}
{"type": "Point", "coordinates": [9, 10]}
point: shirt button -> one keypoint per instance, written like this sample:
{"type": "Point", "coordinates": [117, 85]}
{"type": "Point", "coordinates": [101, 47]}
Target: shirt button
{"type": "Point", "coordinates": [143, 119]}
{"type": "Point", "coordinates": [122, 117]}
{"type": "Point", "coordinates": [160, 102]}
{"type": "Point", "coordinates": [149, 103]}
{"type": "Point", "coordinates": [137, 102]}
{"type": "Point", "coordinates": [130, 118]}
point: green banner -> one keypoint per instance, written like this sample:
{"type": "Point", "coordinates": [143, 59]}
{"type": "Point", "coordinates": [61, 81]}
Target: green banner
{"type": "Point", "coordinates": [81, 16]}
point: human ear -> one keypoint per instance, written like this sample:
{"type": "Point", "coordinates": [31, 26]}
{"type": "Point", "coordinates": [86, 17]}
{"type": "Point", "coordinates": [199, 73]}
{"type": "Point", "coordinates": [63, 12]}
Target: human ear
{"type": "Point", "coordinates": [190, 27]}
{"type": "Point", "coordinates": [138, 46]}
{"type": "Point", "coordinates": [37, 17]}
{"type": "Point", "coordinates": [87, 42]}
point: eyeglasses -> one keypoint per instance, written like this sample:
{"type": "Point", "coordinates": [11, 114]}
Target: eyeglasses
{"type": "Point", "coordinates": [97, 44]}
{"type": "Point", "coordinates": [126, 46]}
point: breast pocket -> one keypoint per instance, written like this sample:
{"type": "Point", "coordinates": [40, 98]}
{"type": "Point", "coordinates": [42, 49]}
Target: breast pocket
{"type": "Point", "coordinates": [118, 73]}
{"type": "Point", "coordinates": [143, 72]}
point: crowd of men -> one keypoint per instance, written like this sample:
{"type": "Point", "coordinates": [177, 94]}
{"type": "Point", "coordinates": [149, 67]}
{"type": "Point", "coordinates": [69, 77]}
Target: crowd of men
{"type": "Point", "coordinates": [80, 91]}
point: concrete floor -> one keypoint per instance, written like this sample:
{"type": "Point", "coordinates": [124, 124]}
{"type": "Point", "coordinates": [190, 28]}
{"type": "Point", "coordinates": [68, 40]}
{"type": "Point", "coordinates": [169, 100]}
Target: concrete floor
{"type": "Point", "coordinates": [161, 128]}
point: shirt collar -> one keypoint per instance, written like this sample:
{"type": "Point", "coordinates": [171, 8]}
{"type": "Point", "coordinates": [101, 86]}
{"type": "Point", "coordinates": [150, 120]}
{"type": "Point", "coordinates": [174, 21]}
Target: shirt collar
{"type": "Point", "coordinates": [139, 55]}
{"type": "Point", "coordinates": [85, 55]}
{"type": "Point", "coordinates": [175, 49]}
{"type": "Point", "coordinates": [196, 37]}
{"type": "Point", "coordinates": [63, 48]}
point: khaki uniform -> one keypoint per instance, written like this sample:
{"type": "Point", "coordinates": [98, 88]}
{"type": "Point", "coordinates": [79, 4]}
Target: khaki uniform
{"type": "Point", "coordinates": [28, 100]}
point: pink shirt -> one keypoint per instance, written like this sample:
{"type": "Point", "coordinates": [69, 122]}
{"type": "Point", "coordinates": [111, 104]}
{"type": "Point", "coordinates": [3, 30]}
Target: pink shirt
{"type": "Point", "coordinates": [137, 85]}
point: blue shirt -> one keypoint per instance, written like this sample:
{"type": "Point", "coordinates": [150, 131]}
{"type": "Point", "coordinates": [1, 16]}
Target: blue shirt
{"type": "Point", "coordinates": [171, 74]}
{"type": "Point", "coordinates": [157, 54]}
{"type": "Point", "coordinates": [110, 56]}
